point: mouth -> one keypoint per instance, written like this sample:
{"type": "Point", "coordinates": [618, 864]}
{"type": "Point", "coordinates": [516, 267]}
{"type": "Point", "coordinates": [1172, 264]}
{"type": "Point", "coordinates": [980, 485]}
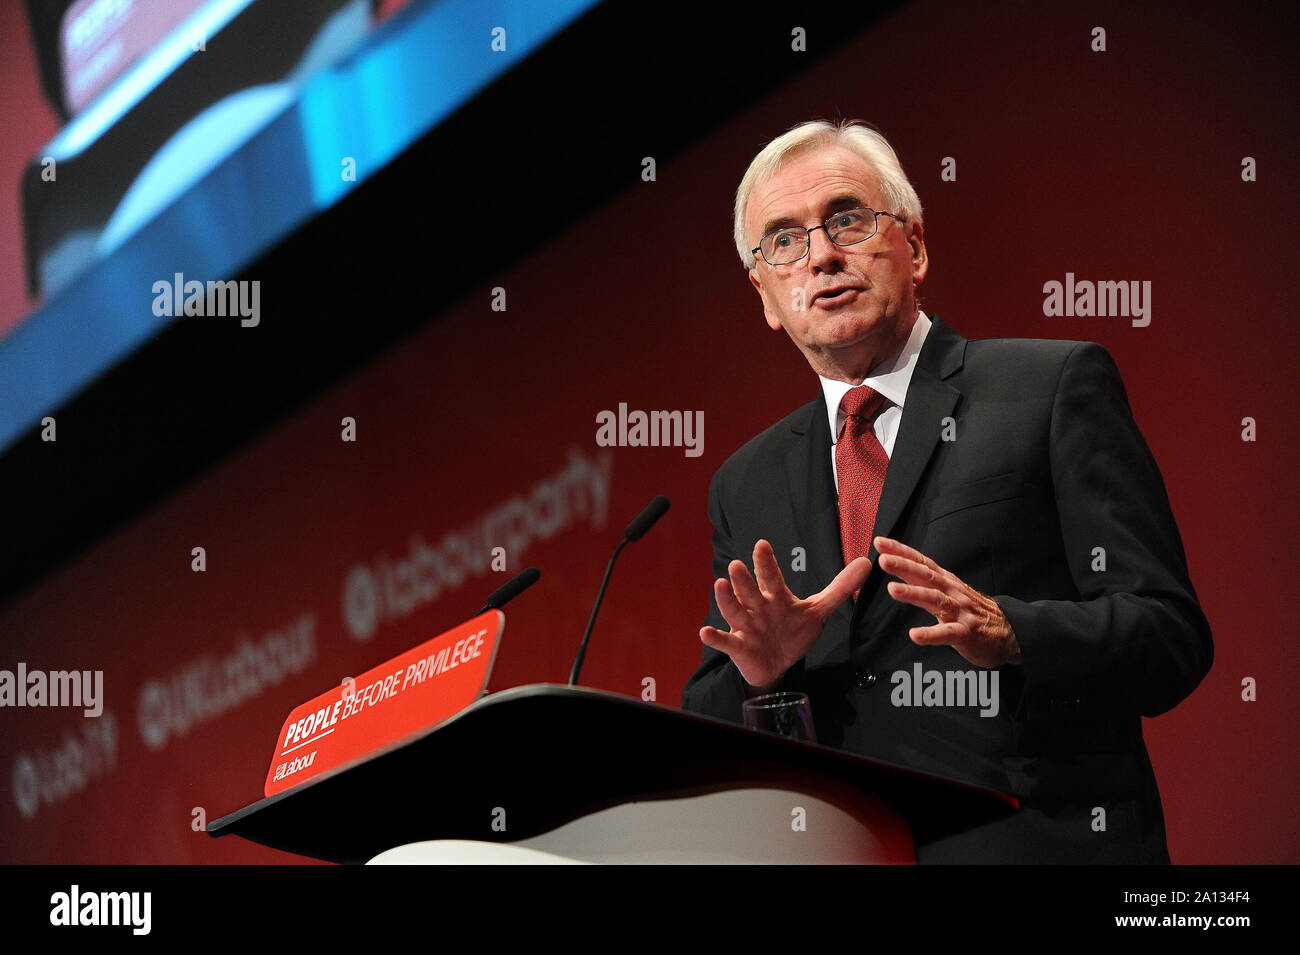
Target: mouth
{"type": "Point", "coordinates": [829, 298]}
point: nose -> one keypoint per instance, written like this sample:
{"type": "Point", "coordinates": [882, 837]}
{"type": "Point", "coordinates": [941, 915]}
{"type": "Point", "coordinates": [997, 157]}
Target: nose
{"type": "Point", "coordinates": [823, 254]}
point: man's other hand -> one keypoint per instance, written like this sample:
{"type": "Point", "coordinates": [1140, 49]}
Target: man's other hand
{"type": "Point", "coordinates": [771, 628]}
{"type": "Point", "coordinates": [968, 621]}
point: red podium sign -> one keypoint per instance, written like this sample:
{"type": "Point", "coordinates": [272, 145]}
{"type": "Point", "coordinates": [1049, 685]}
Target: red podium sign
{"type": "Point", "coordinates": [414, 691]}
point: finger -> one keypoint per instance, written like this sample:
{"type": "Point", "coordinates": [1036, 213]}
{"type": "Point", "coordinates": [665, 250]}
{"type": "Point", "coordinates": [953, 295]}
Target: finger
{"type": "Point", "coordinates": [847, 582]}
{"type": "Point", "coordinates": [742, 582]}
{"type": "Point", "coordinates": [719, 640]}
{"type": "Point", "coordinates": [770, 581]}
{"type": "Point", "coordinates": [941, 634]}
{"type": "Point", "coordinates": [918, 574]}
{"type": "Point", "coordinates": [887, 545]}
{"type": "Point", "coordinates": [729, 606]}
{"type": "Point", "coordinates": [928, 599]}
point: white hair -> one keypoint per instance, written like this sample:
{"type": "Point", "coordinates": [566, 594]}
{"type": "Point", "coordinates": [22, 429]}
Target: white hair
{"type": "Point", "coordinates": [854, 135]}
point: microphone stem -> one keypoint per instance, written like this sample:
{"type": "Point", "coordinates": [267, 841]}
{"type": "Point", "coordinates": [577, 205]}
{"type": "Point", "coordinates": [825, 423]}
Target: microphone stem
{"type": "Point", "coordinates": [582, 648]}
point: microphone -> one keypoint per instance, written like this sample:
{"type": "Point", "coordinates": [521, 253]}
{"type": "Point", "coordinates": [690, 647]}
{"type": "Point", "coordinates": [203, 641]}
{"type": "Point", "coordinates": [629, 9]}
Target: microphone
{"type": "Point", "coordinates": [511, 589]}
{"type": "Point", "coordinates": [646, 519]}
{"type": "Point", "coordinates": [635, 531]}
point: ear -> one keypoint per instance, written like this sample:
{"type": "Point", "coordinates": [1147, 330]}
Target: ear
{"type": "Point", "coordinates": [920, 258]}
{"type": "Point", "coordinates": [773, 319]}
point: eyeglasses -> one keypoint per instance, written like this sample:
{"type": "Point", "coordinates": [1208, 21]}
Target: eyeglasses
{"type": "Point", "coordinates": [790, 243]}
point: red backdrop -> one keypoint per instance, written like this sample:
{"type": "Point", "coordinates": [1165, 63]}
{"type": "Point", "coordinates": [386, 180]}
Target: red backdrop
{"type": "Point", "coordinates": [1116, 165]}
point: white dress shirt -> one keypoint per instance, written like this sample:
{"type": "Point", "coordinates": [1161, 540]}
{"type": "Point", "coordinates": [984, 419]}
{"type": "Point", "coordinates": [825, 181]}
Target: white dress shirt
{"type": "Point", "coordinates": [890, 378]}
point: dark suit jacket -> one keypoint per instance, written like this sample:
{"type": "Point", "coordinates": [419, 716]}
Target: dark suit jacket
{"type": "Point", "coordinates": [1044, 477]}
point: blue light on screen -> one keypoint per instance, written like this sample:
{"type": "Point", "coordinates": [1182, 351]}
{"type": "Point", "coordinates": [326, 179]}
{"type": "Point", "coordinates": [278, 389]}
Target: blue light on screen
{"type": "Point", "coordinates": [285, 168]}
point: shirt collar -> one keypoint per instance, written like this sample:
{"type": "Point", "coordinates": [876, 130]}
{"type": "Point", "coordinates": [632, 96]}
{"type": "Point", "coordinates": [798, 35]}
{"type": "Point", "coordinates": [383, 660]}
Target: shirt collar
{"type": "Point", "coordinates": [889, 377]}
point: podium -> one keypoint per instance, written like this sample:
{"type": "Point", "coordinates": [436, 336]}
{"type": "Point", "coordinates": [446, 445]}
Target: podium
{"type": "Point", "coordinates": [548, 773]}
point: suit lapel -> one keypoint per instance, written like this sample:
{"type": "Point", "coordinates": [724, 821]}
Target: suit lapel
{"type": "Point", "coordinates": [811, 491]}
{"type": "Point", "coordinates": [929, 400]}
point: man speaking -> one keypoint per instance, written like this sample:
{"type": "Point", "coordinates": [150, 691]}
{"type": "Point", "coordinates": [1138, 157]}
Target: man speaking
{"type": "Point", "coordinates": [992, 505]}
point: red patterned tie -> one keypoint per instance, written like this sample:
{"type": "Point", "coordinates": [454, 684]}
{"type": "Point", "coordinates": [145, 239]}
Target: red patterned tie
{"type": "Point", "coordinates": [860, 464]}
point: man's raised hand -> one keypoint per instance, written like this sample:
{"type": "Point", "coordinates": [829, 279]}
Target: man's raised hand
{"type": "Point", "coordinates": [771, 628]}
